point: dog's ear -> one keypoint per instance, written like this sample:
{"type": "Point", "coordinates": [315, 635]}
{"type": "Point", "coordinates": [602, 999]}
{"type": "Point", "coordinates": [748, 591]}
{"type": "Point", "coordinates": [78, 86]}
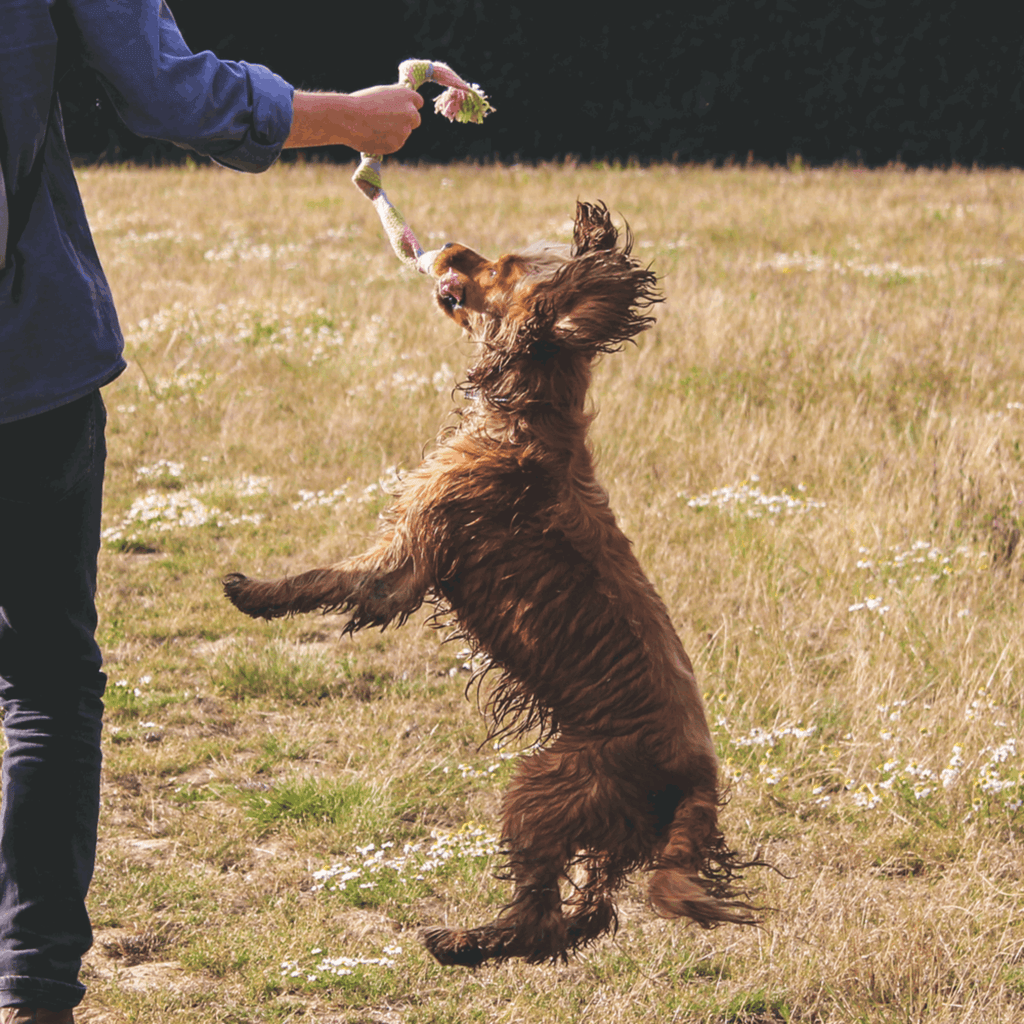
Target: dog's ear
{"type": "Point", "coordinates": [595, 302]}
{"type": "Point", "coordinates": [593, 229]}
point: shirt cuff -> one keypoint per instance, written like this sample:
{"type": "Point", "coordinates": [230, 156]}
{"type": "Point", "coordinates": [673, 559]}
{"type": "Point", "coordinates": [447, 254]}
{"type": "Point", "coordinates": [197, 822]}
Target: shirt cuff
{"type": "Point", "coordinates": [271, 122]}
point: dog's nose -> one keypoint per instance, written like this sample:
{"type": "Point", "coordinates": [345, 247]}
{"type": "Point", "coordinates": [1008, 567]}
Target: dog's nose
{"type": "Point", "coordinates": [447, 245]}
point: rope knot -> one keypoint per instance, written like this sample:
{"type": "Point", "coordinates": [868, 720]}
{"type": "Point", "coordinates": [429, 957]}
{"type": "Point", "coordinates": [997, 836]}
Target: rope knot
{"type": "Point", "coordinates": [462, 102]}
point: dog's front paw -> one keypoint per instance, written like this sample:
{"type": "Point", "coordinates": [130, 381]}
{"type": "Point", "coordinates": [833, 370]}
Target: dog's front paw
{"type": "Point", "coordinates": [234, 588]}
{"type": "Point", "coordinates": [249, 596]}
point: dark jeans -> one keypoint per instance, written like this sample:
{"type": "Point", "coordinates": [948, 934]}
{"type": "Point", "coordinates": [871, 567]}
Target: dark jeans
{"type": "Point", "coordinates": [51, 482]}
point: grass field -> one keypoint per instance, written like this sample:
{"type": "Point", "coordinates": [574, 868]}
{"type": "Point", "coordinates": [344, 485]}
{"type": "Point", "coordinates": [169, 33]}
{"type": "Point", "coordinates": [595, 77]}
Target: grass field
{"type": "Point", "coordinates": [817, 454]}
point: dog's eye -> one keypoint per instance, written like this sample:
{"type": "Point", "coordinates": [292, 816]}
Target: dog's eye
{"type": "Point", "coordinates": [449, 302]}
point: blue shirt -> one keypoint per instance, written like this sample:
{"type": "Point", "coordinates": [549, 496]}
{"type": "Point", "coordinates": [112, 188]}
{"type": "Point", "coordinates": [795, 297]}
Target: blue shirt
{"type": "Point", "coordinates": [59, 335]}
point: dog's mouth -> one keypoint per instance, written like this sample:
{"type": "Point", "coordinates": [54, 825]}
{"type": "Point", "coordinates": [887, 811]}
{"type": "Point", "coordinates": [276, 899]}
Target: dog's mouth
{"type": "Point", "coordinates": [451, 291]}
{"type": "Point", "coordinates": [457, 273]}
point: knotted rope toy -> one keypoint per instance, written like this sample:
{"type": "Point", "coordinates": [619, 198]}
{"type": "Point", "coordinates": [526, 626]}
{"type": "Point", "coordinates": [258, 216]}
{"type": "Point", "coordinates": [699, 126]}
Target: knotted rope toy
{"type": "Point", "coordinates": [459, 102]}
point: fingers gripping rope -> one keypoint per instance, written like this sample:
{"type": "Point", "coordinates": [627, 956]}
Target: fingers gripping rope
{"type": "Point", "coordinates": [459, 102]}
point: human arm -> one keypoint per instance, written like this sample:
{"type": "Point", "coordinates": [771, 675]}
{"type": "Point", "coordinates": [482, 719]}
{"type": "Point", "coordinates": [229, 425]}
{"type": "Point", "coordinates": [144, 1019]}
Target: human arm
{"type": "Point", "coordinates": [238, 113]}
{"type": "Point", "coordinates": [376, 120]}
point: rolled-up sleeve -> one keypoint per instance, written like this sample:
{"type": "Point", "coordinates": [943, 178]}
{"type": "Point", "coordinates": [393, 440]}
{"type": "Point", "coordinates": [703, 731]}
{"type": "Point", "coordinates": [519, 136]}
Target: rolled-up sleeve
{"type": "Point", "coordinates": [237, 113]}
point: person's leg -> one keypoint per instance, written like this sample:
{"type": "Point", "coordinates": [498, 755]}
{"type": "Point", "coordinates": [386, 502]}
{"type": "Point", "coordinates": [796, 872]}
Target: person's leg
{"type": "Point", "coordinates": [51, 685]}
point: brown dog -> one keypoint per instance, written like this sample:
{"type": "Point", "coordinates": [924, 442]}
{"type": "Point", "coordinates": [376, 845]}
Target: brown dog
{"type": "Point", "coordinates": [506, 524]}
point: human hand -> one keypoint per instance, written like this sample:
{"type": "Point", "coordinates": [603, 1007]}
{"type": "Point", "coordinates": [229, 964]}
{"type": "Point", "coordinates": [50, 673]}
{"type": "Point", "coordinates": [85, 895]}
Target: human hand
{"type": "Point", "coordinates": [384, 116]}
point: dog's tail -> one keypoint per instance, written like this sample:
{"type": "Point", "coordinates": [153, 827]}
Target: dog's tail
{"type": "Point", "coordinates": [696, 875]}
{"type": "Point", "coordinates": [291, 595]}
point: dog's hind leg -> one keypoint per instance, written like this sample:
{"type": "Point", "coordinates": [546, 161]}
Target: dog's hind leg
{"type": "Point", "coordinates": [540, 837]}
{"type": "Point", "coordinates": [590, 911]}
{"type": "Point", "coordinates": [377, 588]}
{"type": "Point", "coordinates": [695, 846]}
{"type": "Point", "coordinates": [532, 926]}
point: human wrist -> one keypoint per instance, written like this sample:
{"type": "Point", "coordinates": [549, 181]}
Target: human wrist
{"type": "Point", "coordinates": [323, 119]}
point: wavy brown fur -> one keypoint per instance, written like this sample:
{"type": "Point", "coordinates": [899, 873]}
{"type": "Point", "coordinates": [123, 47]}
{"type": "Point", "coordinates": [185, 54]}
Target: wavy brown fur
{"type": "Point", "coordinates": [506, 524]}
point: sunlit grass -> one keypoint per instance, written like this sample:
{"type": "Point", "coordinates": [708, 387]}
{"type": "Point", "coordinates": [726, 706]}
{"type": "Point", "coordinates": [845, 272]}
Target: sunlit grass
{"type": "Point", "coordinates": [817, 454]}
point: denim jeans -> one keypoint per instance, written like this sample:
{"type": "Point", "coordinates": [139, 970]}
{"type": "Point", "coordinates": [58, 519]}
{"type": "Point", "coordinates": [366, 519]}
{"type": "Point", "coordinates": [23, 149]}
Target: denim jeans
{"type": "Point", "coordinates": [51, 688]}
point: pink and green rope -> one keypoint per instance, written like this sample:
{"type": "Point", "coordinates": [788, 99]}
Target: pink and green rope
{"type": "Point", "coordinates": [460, 102]}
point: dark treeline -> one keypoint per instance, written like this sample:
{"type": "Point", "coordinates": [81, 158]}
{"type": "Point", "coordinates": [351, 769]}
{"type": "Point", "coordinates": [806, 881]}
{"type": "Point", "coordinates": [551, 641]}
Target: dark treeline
{"type": "Point", "coordinates": [865, 81]}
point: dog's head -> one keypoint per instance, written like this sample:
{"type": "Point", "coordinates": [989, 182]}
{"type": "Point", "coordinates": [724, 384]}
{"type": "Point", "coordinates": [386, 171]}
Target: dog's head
{"type": "Point", "coordinates": [550, 303]}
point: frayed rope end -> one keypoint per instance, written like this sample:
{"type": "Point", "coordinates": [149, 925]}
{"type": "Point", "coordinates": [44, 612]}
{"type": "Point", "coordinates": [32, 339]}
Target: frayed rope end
{"type": "Point", "coordinates": [461, 101]}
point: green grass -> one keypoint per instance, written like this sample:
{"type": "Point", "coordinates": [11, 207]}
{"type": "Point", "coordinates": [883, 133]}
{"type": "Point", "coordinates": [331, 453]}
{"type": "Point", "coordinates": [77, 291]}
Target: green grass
{"type": "Point", "coordinates": [276, 673]}
{"type": "Point", "coordinates": [350, 807]}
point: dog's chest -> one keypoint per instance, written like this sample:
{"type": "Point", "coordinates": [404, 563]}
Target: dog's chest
{"type": "Point", "coordinates": [508, 545]}
{"type": "Point", "coordinates": [491, 500]}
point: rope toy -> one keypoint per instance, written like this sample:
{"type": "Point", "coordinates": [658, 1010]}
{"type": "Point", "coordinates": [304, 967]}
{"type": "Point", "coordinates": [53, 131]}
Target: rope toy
{"type": "Point", "coordinates": [460, 102]}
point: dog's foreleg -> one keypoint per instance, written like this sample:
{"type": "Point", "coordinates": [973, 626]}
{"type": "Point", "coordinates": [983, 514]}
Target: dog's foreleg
{"type": "Point", "coordinates": [376, 588]}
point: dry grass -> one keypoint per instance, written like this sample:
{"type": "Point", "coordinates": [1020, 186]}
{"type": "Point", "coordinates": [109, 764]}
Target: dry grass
{"type": "Point", "coordinates": [817, 453]}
